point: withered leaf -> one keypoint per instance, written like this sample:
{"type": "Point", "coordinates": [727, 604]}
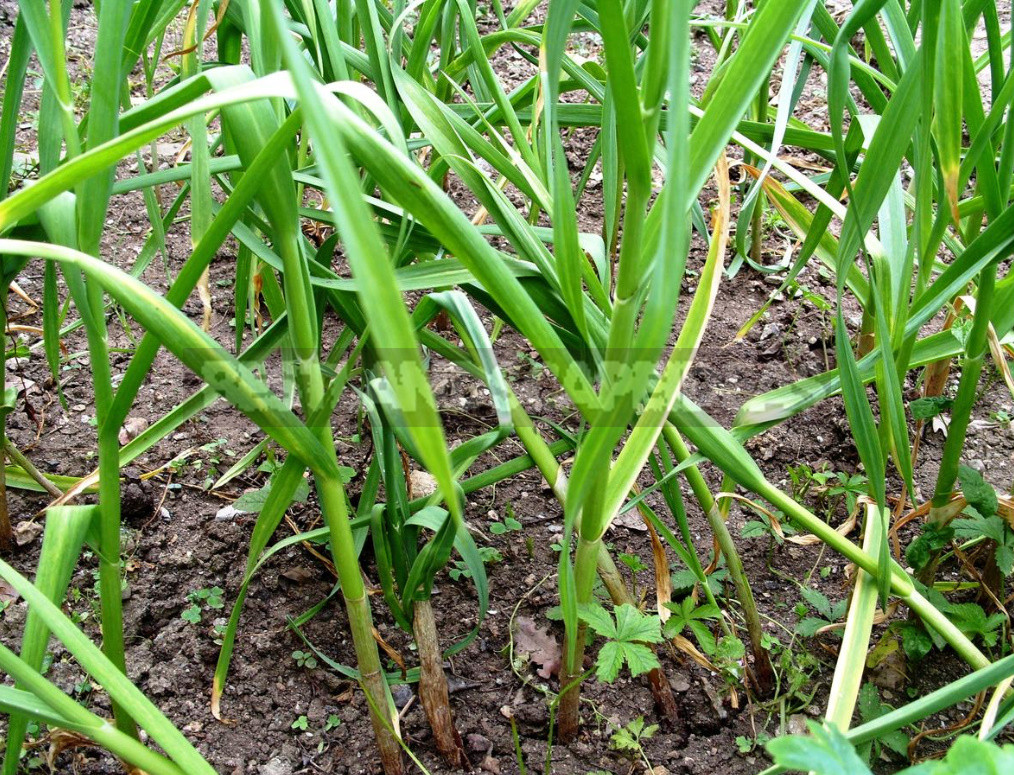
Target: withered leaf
{"type": "Point", "coordinates": [7, 594]}
{"type": "Point", "coordinates": [540, 646]}
{"type": "Point", "coordinates": [299, 575]}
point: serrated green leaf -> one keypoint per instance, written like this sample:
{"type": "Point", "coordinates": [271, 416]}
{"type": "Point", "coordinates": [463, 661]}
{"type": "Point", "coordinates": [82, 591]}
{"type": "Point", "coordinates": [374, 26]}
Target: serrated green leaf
{"type": "Point", "coordinates": [253, 502]}
{"type": "Point", "coordinates": [707, 611]}
{"type": "Point", "coordinates": [705, 638]}
{"type": "Point", "coordinates": [809, 626]}
{"type": "Point", "coordinates": [598, 619]}
{"type": "Point", "coordinates": [633, 626]}
{"type": "Point", "coordinates": [1005, 558]}
{"type": "Point", "coordinates": [609, 661]}
{"type": "Point", "coordinates": [730, 648]}
{"type": "Point", "coordinates": [929, 407]}
{"type": "Point", "coordinates": [818, 600]}
{"type": "Point", "coordinates": [869, 702]}
{"type": "Point", "coordinates": [977, 491]}
{"type": "Point", "coordinates": [640, 659]}
{"type": "Point", "coordinates": [927, 544]}
{"type": "Point", "coordinates": [827, 752]}
{"type": "Point", "coordinates": [915, 641]}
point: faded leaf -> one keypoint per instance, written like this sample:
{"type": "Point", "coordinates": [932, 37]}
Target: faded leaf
{"type": "Point", "coordinates": [7, 594]}
{"type": "Point", "coordinates": [886, 663]}
{"type": "Point", "coordinates": [61, 740]}
{"type": "Point", "coordinates": [298, 575]}
{"type": "Point", "coordinates": [540, 646]}
{"type": "Point", "coordinates": [663, 581]}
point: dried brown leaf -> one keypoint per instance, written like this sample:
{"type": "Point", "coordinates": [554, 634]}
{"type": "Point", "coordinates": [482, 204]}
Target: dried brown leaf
{"type": "Point", "coordinates": [7, 594]}
{"type": "Point", "coordinates": [540, 646]}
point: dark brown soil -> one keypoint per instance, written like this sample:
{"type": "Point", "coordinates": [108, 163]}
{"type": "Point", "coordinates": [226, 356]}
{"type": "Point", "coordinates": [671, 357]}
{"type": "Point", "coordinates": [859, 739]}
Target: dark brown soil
{"type": "Point", "coordinates": [174, 545]}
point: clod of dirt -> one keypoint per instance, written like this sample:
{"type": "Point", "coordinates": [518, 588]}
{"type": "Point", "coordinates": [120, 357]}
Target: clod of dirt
{"type": "Point", "coordinates": [421, 484]}
{"type": "Point", "coordinates": [540, 646]}
{"type": "Point", "coordinates": [679, 684]}
{"type": "Point", "coordinates": [402, 695]}
{"type": "Point", "coordinates": [26, 532]}
{"type": "Point", "coordinates": [136, 502]}
{"type": "Point", "coordinates": [632, 521]}
{"type": "Point", "coordinates": [477, 743]}
{"type": "Point", "coordinates": [132, 428]}
{"type": "Point", "coordinates": [456, 684]}
{"type": "Point", "coordinates": [277, 766]}
{"type": "Point", "coordinates": [797, 724]}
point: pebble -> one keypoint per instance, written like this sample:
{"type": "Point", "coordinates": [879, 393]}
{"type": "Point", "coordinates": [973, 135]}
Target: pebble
{"type": "Point", "coordinates": [276, 766]}
{"type": "Point", "coordinates": [797, 724]}
{"type": "Point", "coordinates": [401, 694]}
{"type": "Point", "coordinates": [679, 684]}
{"type": "Point", "coordinates": [227, 513]}
{"type": "Point", "coordinates": [477, 743]}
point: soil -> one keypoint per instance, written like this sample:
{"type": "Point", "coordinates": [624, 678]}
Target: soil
{"type": "Point", "coordinates": [175, 543]}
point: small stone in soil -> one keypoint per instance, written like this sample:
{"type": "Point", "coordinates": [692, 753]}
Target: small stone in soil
{"type": "Point", "coordinates": [26, 532]}
{"type": "Point", "coordinates": [276, 766]}
{"type": "Point", "coordinates": [477, 743]}
{"type": "Point", "coordinates": [227, 513]}
{"type": "Point", "coordinates": [402, 694]}
{"type": "Point", "coordinates": [679, 684]}
{"type": "Point", "coordinates": [797, 724]}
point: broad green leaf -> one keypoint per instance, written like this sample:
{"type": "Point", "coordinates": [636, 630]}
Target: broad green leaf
{"type": "Point", "coordinates": [599, 620]}
{"type": "Point", "coordinates": [632, 625]}
{"type": "Point", "coordinates": [609, 661]}
{"type": "Point", "coordinates": [977, 491]}
{"type": "Point", "coordinates": [826, 752]}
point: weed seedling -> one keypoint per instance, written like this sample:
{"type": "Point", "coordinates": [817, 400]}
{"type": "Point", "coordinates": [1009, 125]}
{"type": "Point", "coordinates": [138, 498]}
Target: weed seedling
{"type": "Point", "coordinates": [626, 636]}
{"type": "Point", "coordinates": [459, 569]}
{"type": "Point", "coordinates": [629, 739]}
{"type": "Point", "coordinates": [202, 600]}
{"type": "Point", "coordinates": [686, 615]}
{"type": "Point", "coordinates": [305, 659]}
{"type": "Point", "coordinates": [870, 709]}
{"type": "Point", "coordinates": [510, 524]}
{"type": "Point", "coordinates": [827, 613]}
